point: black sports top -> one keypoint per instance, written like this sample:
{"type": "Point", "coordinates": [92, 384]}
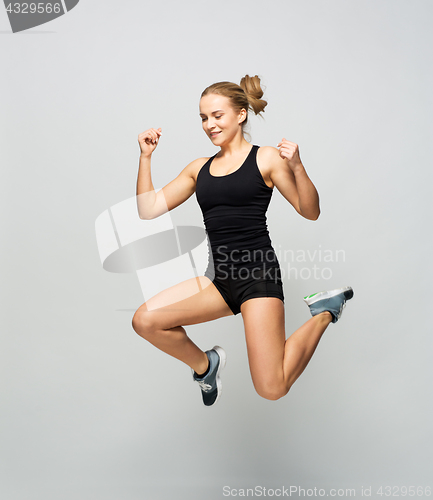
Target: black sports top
{"type": "Point", "coordinates": [234, 214]}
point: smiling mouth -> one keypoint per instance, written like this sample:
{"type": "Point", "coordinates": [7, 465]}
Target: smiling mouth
{"type": "Point", "coordinates": [213, 134]}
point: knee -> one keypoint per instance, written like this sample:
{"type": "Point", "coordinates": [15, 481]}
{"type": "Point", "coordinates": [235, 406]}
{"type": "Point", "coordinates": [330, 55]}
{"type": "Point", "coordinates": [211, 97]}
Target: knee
{"type": "Point", "coordinates": [143, 323]}
{"type": "Point", "coordinates": [273, 392]}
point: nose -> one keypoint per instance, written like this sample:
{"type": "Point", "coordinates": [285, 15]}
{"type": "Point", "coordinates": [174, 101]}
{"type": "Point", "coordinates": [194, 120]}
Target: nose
{"type": "Point", "coordinates": [210, 124]}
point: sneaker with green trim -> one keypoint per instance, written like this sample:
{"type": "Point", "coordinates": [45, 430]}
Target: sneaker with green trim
{"type": "Point", "coordinates": [333, 301]}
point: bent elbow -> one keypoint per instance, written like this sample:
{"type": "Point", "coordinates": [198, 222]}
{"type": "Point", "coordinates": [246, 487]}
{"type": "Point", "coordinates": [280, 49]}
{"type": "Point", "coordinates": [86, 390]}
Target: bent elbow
{"type": "Point", "coordinates": [144, 217]}
{"type": "Point", "coordinates": [309, 217]}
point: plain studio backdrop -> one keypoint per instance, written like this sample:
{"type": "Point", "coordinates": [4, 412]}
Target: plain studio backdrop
{"type": "Point", "coordinates": [89, 410]}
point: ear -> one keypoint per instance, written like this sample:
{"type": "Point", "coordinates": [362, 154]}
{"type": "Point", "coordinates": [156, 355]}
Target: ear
{"type": "Point", "coordinates": [242, 115]}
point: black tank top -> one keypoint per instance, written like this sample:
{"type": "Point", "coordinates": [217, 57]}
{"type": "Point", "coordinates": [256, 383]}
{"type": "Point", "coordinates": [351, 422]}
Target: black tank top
{"type": "Point", "coordinates": [234, 214]}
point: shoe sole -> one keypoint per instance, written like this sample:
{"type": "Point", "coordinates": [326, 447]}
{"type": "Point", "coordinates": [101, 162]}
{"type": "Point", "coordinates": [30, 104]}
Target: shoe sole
{"type": "Point", "coordinates": [311, 299]}
{"type": "Point", "coordinates": [223, 358]}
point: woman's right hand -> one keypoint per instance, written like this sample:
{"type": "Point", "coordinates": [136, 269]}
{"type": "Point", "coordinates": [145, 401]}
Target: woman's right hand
{"type": "Point", "coordinates": [148, 140]}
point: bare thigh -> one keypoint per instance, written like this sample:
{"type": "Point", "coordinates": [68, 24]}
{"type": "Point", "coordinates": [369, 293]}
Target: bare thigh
{"type": "Point", "coordinates": [265, 338]}
{"type": "Point", "coordinates": [192, 301]}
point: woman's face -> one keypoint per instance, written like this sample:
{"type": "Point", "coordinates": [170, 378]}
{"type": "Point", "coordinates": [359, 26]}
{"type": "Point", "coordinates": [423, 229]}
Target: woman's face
{"type": "Point", "coordinates": [219, 120]}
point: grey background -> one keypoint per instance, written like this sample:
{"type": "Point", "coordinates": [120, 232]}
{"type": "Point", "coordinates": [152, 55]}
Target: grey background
{"type": "Point", "coordinates": [89, 409]}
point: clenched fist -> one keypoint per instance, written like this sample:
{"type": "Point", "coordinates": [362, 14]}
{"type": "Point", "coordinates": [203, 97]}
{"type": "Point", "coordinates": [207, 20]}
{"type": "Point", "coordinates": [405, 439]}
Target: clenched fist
{"type": "Point", "coordinates": [290, 152]}
{"type": "Point", "coordinates": [148, 140]}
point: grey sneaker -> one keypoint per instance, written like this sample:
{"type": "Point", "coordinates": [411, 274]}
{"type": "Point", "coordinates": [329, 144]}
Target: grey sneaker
{"type": "Point", "coordinates": [211, 386]}
{"type": "Point", "coordinates": [333, 301]}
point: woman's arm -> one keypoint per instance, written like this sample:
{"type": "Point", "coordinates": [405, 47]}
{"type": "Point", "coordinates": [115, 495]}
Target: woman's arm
{"type": "Point", "coordinates": [150, 204]}
{"type": "Point", "coordinates": [289, 176]}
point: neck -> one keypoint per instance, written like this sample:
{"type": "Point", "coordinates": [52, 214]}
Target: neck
{"type": "Point", "coordinates": [238, 145]}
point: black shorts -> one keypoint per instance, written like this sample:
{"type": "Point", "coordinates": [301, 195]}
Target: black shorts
{"type": "Point", "coordinates": [237, 285]}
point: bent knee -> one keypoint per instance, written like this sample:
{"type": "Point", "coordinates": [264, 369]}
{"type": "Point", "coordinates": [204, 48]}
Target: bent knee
{"type": "Point", "coordinates": [272, 391]}
{"type": "Point", "coordinates": [143, 322]}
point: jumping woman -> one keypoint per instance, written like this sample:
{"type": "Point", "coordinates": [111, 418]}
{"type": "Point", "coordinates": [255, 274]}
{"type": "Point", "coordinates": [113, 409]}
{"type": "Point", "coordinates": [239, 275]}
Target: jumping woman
{"type": "Point", "coordinates": [233, 189]}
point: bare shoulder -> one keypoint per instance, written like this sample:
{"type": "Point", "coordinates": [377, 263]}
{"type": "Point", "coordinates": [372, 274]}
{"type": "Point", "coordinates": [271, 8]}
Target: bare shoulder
{"type": "Point", "coordinates": [269, 162]}
{"type": "Point", "coordinates": [269, 154]}
{"type": "Point", "coordinates": [193, 168]}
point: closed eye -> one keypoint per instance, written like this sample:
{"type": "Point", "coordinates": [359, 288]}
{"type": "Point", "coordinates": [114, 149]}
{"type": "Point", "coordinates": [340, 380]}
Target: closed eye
{"type": "Point", "coordinates": [217, 117]}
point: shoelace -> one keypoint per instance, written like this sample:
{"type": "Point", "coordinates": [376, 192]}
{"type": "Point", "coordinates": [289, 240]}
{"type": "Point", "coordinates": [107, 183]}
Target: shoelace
{"type": "Point", "coordinates": [205, 387]}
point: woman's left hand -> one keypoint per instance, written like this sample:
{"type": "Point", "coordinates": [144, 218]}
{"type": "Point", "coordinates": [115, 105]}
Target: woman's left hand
{"type": "Point", "coordinates": [290, 152]}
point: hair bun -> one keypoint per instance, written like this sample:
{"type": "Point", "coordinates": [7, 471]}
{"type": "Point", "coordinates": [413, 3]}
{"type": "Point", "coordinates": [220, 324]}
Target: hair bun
{"type": "Point", "coordinates": [252, 88]}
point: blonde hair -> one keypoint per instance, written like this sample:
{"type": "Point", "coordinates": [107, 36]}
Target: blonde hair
{"type": "Point", "coordinates": [247, 95]}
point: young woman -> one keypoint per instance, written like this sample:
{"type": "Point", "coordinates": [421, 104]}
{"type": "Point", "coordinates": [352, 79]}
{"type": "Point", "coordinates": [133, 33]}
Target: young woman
{"type": "Point", "coordinates": [233, 189]}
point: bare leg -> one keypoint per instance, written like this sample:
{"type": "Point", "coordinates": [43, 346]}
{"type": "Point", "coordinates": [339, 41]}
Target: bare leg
{"type": "Point", "coordinates": [160, 318]}
{"type": "Point", "coordinates": [300, 346]}
{"type": "Point", "coordinates": [275, 362]}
